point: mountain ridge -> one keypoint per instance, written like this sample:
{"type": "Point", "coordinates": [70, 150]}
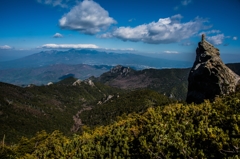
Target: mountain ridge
{"type": "Point", "coordinates": [171, 82]}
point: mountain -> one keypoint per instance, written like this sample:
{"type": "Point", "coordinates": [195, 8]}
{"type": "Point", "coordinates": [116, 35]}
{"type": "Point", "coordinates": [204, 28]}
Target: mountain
{"type": "Point", "coordinates": [171, 82]}
{"type": "Point", "coordinates": [49, 66]}
{"type": "Point", "coordinates": [90, 57]}
{"type": "Point", "coordinates": [50, 73]}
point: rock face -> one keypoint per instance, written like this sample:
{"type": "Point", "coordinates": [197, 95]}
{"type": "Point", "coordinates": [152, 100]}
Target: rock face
{"type": "Point", "coordinates": [209, 76]}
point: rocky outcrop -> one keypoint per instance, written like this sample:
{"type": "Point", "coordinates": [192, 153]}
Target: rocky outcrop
{"type": "Point", "coordinates": [89, 82]}
{"type": "Point", "coordinates": [209, 76]}
{"type": "Point", "coordinates": [77, 82]}
{"type": "Point", "coordinates": [50, 83]}
{"type": "Point", "coordinates": [120, 70]}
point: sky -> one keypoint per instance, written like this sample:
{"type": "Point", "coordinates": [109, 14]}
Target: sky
{"type": "Point", "coordinates": [158, 28]}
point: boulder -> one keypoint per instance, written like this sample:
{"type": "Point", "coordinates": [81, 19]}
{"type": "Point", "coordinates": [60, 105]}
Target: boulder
{"type": "Point", "coordinates": [209, 76]}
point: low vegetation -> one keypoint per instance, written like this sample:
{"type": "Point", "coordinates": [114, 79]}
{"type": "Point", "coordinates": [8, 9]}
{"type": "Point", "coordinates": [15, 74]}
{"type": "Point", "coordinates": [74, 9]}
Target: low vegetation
{"type": "Point", "coordinates": [176, 130]}
{"type": "Point", "coordinates": [125, 103]}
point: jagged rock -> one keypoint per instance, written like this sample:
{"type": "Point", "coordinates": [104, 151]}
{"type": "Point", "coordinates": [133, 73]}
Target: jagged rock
{"type": "Point", "coordinates": [31, 85]}
{"type": "Point", "coordinates": [50, 83]}
{"type": "Point", "coordinates": [89, 82]}
{"type": "Point", "coordinates": [209, 76]}
{"type": "Point", "coordinates": [120, 70]}
{"type": "Point", "coordinates": [106, 99]}
{"type": "Point", "coordinates": [77, 82]}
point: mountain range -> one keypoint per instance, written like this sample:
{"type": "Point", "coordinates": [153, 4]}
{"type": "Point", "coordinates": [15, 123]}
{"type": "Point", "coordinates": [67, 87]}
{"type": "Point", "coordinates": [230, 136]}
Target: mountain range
{"type": "Point", "coordinates": [91, 57]}
{"type": "Point", "coordinates": [50, 66]}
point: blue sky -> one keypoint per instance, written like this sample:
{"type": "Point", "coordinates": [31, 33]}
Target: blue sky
{"type": "Point", "coordinates": [161, 28]}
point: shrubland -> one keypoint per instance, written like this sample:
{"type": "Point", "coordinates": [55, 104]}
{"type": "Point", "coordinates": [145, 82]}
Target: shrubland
{"type": "Point", "coordinates": [175, 130]}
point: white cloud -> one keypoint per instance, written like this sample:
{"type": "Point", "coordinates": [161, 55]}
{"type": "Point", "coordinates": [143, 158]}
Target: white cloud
{"type": "Point", "coordinates": [171, 52]}
{"type": "Point", "coordinates": [87, 17]}
{"type": "Point", "coordinates": [183, 3]}
{"type": "Point", "coordinates": [69, 46]}
{"type": "Point", "coordinates": [217, 39]}
{"type": "Point", "coordinates": [57, 35]}
{"type": "Point", "coordinates": [166, 30]}
{"type": "Point", "coordinates": [54, 3]}
{"type": "Point", "coordinates": [210, 32]}
{"type": "Point", "coordinates": [235, 38]}
{"type": "Point", "coordinates": [5, 47]}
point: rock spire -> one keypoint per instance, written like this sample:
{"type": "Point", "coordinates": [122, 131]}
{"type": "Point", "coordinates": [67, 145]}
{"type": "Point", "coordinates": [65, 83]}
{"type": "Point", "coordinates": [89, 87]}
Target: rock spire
{"type": "Point", "coordinates": [209, 76]}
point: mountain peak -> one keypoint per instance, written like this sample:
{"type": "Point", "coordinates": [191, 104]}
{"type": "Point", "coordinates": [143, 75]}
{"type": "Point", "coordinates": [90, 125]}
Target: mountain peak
{"type": "Point", "coordinates": [207, 47]}
{"type": "Point", "coordinates": [209, 76]}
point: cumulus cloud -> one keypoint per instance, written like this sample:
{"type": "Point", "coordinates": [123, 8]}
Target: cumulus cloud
{"type": "Point", "coordinates": [69, 46]}
{"type": "Point", "coordinates": [57, 35]}
{"type": "Point", "coordinates": [171, 52]}
{"type": "Point", "coordinates": [217, 39]}
{"type": "Point", "coordinates": [87, 17]}
{"type": "Point", "coordinates": [235, 38]}
{"type": "Point", "coordinates": [165, 30]}
{"type": "Point", "coordinates": [5, 47]}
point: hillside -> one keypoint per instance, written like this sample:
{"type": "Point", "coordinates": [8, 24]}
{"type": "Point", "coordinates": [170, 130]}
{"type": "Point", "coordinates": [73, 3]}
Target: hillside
{"type": "Point", "coordinates": [108, 109]}
{"type": "Point", "coordinates": [67, 107]}
{"type": "Point", "coordinates": [207, 130]}
{"type": "Point", "coordinates": [25, 111]}
{"type": "Point", "coordinates": [235, 67]}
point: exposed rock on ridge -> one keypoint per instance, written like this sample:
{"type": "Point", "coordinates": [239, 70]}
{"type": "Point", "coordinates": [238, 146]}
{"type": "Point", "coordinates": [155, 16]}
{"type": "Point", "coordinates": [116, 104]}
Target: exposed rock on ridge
{"type": "Point", "coordinates": [120, 70]}
{"type": "Point", "coordinates": [209, 76]}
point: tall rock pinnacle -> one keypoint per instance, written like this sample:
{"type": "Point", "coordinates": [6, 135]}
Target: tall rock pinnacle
{"type": "Point", "coordinates": [209, 76]}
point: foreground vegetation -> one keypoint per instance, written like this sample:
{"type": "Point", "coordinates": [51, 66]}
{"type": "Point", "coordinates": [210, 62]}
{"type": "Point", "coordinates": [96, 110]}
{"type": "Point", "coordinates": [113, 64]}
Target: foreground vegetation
{"type": "Point", "coordinates": [208, 130]}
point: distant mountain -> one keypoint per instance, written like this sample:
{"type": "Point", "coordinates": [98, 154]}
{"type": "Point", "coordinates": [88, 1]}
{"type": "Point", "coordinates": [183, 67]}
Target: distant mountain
{"type": "Point", "coordinates": [91, 57]}
{"type": "Point", "coordinates": [50, 73]}
{"type": "Point", "coordinates": [49, 66]}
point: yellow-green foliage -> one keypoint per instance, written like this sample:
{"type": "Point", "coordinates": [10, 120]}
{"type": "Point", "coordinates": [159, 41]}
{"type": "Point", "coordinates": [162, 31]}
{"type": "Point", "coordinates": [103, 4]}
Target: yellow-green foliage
{"type": "Point", "coordinates": [208, 130]}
